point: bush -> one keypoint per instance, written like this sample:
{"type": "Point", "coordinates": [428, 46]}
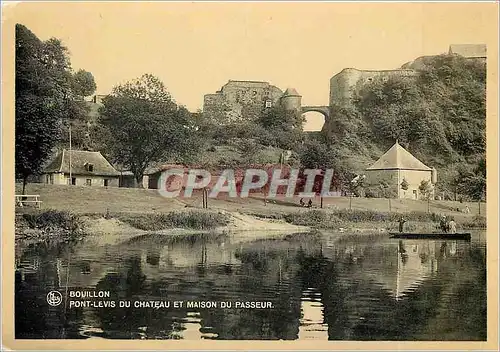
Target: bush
{"type": "Point", "coordinates": [200, 220]}
{"type": "Point", "coordinates": [318, 218]}
{"type": "Point", "coordinates": [314, 218]}
{"type": "Point", "coordinates": [375, 216]}
{"type": "Point", "coordinates": [479, 222]}
{"type": "Point", "coordinates": [53, 219]}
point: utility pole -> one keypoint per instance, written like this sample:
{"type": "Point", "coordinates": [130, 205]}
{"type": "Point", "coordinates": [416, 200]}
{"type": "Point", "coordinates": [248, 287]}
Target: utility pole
{"type": "Point", "coordinates": [205, 198]}
{"type": "Point", "coordinates": [70, 178]}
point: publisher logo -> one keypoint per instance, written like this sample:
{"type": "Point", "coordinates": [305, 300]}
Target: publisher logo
{"type": "Point", "coordinates": [54, 298]}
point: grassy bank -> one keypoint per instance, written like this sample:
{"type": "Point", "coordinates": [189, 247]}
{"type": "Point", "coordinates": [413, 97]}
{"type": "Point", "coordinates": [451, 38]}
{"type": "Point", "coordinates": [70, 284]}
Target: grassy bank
{"type": "Point", "coordinates": [82, 199]}
{"type": "Point", "coordinates": [192, 219]}
{"type": "Point", "coordinates": [63, 225]}
{"type": "Point", "coordinates": [322, 219]}
{"type": "Point", "coordinates": [42, 225]}
{"type": "Point", "coordinates": [118, 209]}
{"type": "Point", "coordinates": [34, 223]}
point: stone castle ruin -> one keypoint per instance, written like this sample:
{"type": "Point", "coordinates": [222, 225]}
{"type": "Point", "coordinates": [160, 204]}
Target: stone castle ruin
{"type": "Point", "coordinates": [230, 101]}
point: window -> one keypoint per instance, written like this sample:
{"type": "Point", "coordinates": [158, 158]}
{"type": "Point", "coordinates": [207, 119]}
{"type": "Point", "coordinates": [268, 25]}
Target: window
{"type": "Point", "coordinates": [88, 182]}
{"type": "Point", "coordinates": [89, 167]}
{"type": "Point", "coordinates": [106, 182]}
{"type": "Point", "coordinates": [73, 181]}
{"type": "Point", "coordinates": [269, 103]}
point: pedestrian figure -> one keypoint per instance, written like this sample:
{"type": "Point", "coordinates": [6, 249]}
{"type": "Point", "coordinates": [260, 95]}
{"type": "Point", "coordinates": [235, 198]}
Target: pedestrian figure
{"type": "Point", "coordinates": [443, 224]}
{"type": "Point", "coordinates": [467, 210]}
{"type": "Point", "coordinates": [452, 226]}
{"type": "Point", "coordinates": [402, 221]}
{"type": "Point", "coordinates": [301, 202]}
{"type": "Point", "coordinates": [310, 203]}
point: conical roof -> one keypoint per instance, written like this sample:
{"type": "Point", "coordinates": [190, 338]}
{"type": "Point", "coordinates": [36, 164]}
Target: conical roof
{"type": "Point", "coordinates": [291, 92]}
{"type": "Point", "coordinates": [400, 159]}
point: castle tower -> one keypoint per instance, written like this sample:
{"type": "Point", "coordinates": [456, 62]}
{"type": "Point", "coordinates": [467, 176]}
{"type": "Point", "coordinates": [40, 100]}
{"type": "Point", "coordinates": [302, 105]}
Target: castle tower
{"type": "Point", "coordinates": [291, 100]}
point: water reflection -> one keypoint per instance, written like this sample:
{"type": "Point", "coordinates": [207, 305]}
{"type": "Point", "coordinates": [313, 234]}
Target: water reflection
{"type": "Point", "coordinates": [336, 288]}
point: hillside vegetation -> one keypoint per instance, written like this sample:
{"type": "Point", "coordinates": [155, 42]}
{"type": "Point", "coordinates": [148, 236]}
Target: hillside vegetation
{"type": "Point", "coordinates": [440, 117]}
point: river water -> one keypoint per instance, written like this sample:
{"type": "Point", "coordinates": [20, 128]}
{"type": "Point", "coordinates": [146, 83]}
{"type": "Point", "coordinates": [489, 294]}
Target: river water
{"type": "Point", "coordinates": [330, 287]}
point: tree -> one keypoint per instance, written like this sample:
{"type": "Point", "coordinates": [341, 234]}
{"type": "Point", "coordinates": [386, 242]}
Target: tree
{"type": "Point", "coordinates": [144, 125]}
{"type": "Point", "coordinates": [404, 185]}
{"type": "Point", "coordinates": [83, 83]}
{"type": "Point", "coordinates": [441, 112]}
{"type": "Point", "coordinates": [284, 127]}
{"type": "Point", "coordinates": [427, 190]}
{"type": "Point", "coordinates": [43, 99]}
{"type": "Point", "coordinates": [316, 155]}
{"type": "Point", "coordinates": [386, 192]}
{"type": "Point", "coordinates": [472, 182]}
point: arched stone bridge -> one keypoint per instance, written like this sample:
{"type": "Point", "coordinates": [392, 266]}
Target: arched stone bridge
{"type": "Point", "coordinates": [324, 110]}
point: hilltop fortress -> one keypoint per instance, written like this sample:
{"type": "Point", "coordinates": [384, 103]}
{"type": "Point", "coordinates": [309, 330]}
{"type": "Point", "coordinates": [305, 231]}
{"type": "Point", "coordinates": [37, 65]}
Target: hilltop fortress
{"type": "Point", "coordinates": [235, 96]}
{"type": "Point", "coordinates": [229, 102]}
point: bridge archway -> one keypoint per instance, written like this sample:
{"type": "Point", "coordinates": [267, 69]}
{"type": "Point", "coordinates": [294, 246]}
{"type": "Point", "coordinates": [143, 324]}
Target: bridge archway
{"type": "Point", "coordinates": [314, 120]}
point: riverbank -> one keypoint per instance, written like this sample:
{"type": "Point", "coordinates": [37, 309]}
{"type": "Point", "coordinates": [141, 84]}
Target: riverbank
{"type": "Point", "coordinates": [70, 212]}
{"type": "Point", "coordinates": [40, 225]}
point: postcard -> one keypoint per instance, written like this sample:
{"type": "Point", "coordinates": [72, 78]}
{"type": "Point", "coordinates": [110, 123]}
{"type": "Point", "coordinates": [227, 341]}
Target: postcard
{"type": "Point", "coordinates": [249, 175]}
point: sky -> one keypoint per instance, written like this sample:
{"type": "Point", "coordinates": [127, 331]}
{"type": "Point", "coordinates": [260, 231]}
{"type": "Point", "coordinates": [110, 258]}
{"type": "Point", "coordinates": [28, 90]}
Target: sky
{"type": "Point", "coordinates": [195, 48]}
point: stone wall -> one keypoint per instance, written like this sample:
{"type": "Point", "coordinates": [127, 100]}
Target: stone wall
{"type": "Point", "coordinates": [235, 96]}
{"type": "Point", "coordinates": [349, 81]}
{"type": "Point", "coordinates": [394, 178]}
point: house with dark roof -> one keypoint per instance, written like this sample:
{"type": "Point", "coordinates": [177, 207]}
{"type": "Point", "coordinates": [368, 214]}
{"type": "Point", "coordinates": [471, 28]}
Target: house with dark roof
{"type": "Point", "coordinates": [81, 168]}
{"type": "Point", "coordinates": [401, 172]}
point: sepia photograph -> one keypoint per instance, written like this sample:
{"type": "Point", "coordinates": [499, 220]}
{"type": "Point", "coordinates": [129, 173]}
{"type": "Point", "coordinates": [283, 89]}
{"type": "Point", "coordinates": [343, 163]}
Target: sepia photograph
{"type": "Point", "coordinates": [292, 172]}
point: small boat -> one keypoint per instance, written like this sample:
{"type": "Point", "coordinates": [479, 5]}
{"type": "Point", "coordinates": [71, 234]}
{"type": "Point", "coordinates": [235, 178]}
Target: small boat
{"type": "Point", "coordinates": [431, 236]}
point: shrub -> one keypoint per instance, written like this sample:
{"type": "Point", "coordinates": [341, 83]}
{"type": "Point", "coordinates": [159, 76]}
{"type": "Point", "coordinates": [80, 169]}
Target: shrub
{"type": "Point", "coordinates": [323, 219]}
{"type": "Point", "coordinates": [376, 216]}
{"type": "Point", "coordinates": [478, 222]}
{"type": "Point", "coordinates": [53, 219]}
{"type": "Point", "coordinates": [371, 193]}
{"type": "Point", "coordinates": [314, 218]}
{"type": "Point", "coordinates": [200, 220]}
